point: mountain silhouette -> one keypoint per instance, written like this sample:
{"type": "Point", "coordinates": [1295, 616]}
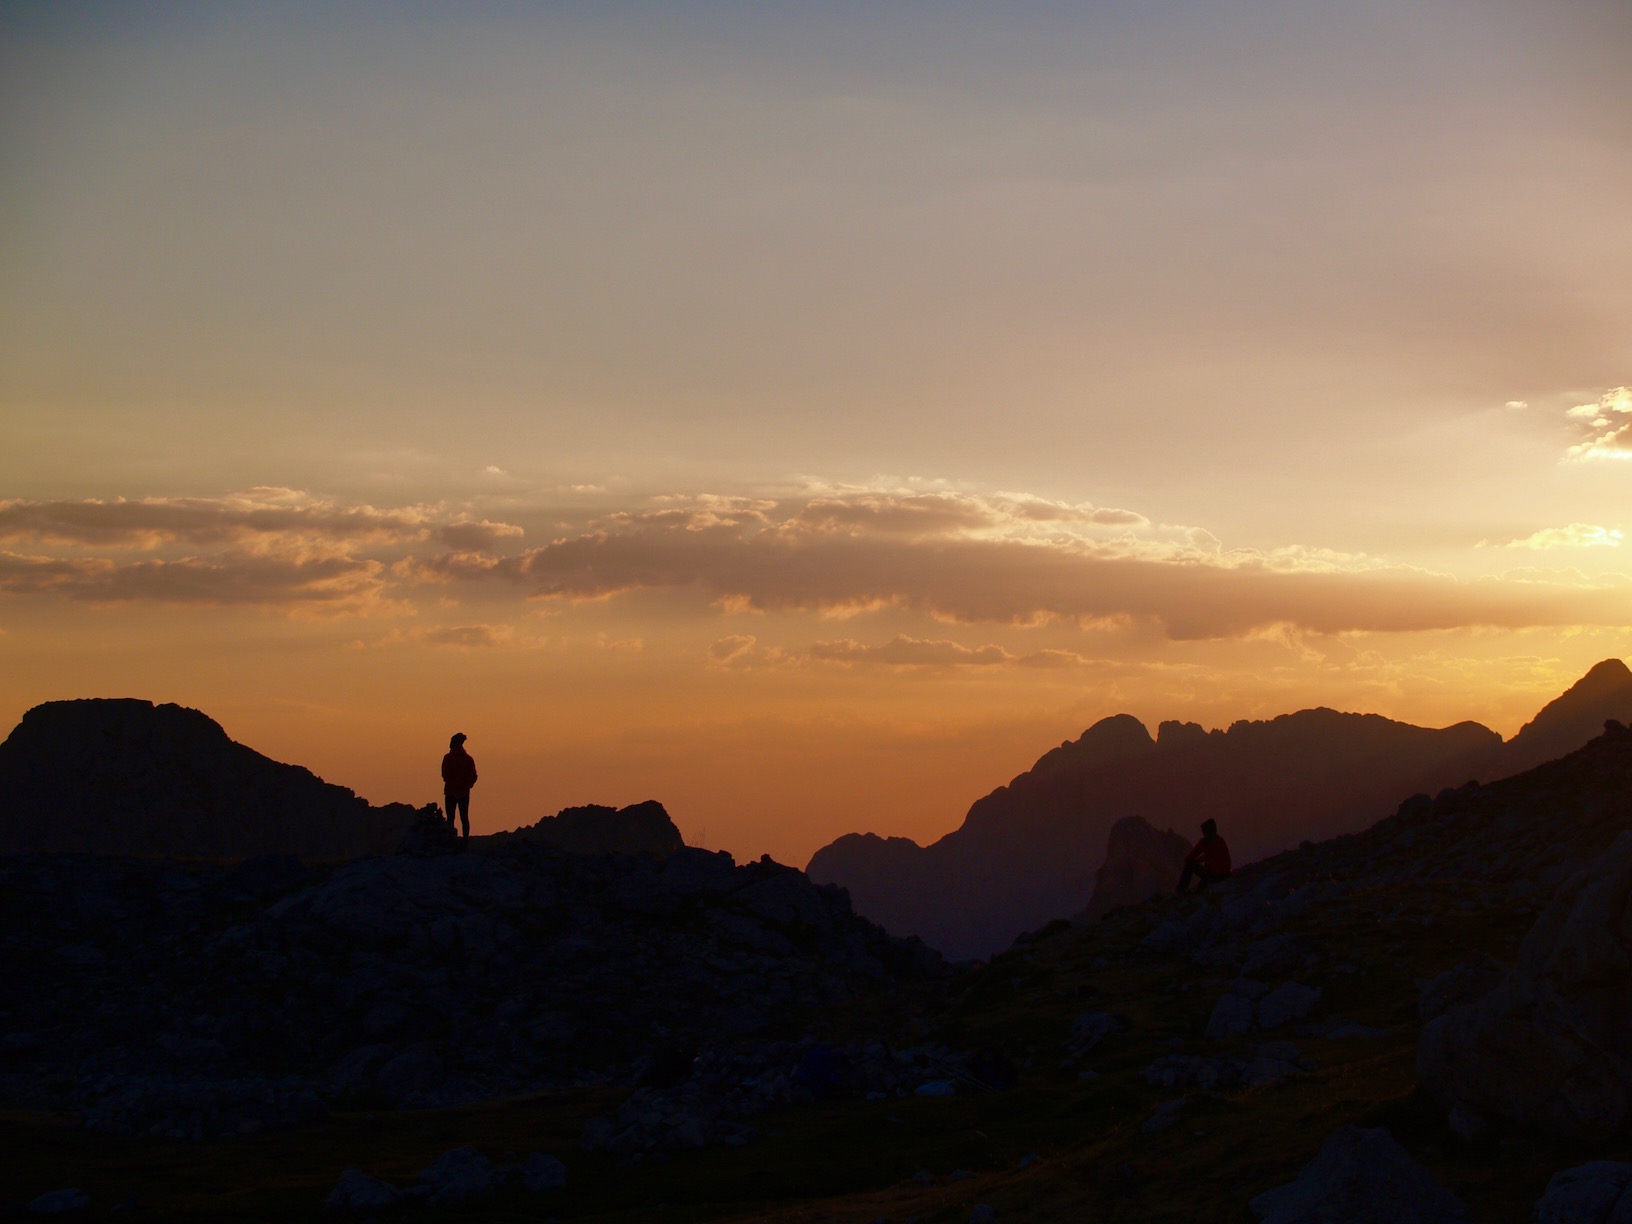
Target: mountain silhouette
{"type": "Point", "coordinates": [1028, 852]}
{"type": "Point", "coordinates": [1570, 720]}
{"type": "Point", "coordinates": [124, 776]}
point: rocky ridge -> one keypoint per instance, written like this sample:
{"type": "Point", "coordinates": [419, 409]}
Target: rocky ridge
{"type": "Point", "coordinates": [194, 1000]}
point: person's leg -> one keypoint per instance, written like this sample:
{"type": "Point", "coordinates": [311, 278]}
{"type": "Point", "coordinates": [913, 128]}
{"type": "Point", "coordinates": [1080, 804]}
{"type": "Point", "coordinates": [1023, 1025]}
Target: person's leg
{"type": "Point", "coordinates": [448, 801]}
{"type": "Point", "coordinates": [1190, 872]}
{"type": "Point", "coordinates": [464, 813]}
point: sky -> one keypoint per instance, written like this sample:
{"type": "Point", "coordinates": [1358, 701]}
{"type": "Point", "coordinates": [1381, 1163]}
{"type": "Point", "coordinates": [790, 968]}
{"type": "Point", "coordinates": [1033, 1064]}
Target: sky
{"type": "Point", "coordinates": [807, 416]}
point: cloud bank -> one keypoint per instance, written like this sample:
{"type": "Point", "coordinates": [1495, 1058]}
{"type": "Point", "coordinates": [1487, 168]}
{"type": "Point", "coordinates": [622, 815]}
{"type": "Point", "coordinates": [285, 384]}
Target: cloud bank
{"type": "Point", "coordinates": [954, 557]}
{"type": "Point", "coordinates": [977, 560]}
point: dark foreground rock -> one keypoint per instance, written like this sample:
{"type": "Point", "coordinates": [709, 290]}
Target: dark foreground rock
{"type": "Point", "coordinates": [1594, 1193]}
{"type": "Point", "coordinates": [197, 1000]}
{"type": "Point", "coordinates": [1546, 1043]}
{"type": "Point", "coordinates": [1362, 1177]}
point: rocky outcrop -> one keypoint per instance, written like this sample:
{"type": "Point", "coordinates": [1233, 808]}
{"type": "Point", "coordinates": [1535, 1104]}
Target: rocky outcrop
{"type": "Point", "coordinates": [199, 1000]}
{"type": "Point", "coordinates": [1362, 1177]}
{"type": "Point", "coordinates": [1140, 863]}
{"type": "Point", "coordinates": [1547, 1043]}
{"type": "Point", "coordinates": [640, 828]}
{"type": "Point", "coordinates": [129, 777]}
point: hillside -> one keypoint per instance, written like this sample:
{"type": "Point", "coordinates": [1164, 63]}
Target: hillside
{"type": "Point", "coordinates": [128, 777]}
{"type": "Point", "coordinates": [1028, 852]}
{"type": "Point", "coordinates": [1417, 1021]}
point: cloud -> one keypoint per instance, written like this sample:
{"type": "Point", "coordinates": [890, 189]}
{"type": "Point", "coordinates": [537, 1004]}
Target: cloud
{"type": "Point", "coordinates": [1517, 405]}
{"type": "Point", "coordinates": [148, 523]}
{"type": "Point", "coordinates": [317, 583]}
{"type": "Point", "coordinates": [959, 558]}
{"type": "Point", "coordinates": [1605, 426]}
{"type": "Point", "coordinates": [265, 519]}
{"type": "Point", "coordinates": [948, 512]}
{"type": "Point", "coordinates": [1576, 535]}
{"type": "Point", "coordinates": [731, 648]}
{"type": "Point", "coordinates": [902, 651]}
{"type": "Point", "coordinates": [476, 535]}
{"type": "Point", "coordinates": [1187, 585]}
{"type": "Point", "coordinates": [467, 636]}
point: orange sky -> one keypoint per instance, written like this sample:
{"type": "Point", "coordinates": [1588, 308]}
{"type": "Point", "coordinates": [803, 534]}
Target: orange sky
{"type": "Point", "coordinates": [805, 418]}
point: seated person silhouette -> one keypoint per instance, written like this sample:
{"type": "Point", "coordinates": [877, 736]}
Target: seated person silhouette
{"type": "Point", "coordinates": [458, 776]}
{"type": "Point", "coordinates": [1209, 861]}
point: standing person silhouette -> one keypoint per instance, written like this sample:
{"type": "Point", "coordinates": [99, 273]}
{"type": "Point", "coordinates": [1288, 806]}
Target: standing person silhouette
{"type": "Point", "coordinates": [458, 776]}
{"type": "Point", "coordinates": [1209, 861]}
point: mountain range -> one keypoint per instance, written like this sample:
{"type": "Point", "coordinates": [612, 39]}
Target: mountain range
{"type": "Point", "coordinates": [1424, 1020]}
{"type": "Point", "coordinates": [1028, 852]}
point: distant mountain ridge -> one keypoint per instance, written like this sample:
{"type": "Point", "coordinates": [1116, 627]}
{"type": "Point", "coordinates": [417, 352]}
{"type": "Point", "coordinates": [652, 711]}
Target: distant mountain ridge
{"type": "Point", "coordinates": [125, 776]}
{"type": "Point", "coordinates": [1028, 852]}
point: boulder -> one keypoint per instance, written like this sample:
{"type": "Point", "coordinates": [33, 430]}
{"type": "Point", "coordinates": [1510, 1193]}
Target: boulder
{"type": "Point", "coordinates": [1548, 1045]}
{"type": "Point", "coordinates": [1361, 1177]}
{"type": "Point", "coordinates": [412, 1075]}
{"type": "Point", "coordinates": [1274, 955]}
{"type": "Point", "coordinates": [1232, 1016]}
{"type": "Point", "coordinates": [1595, 1193]}
{"type": "Point", "coordinates": [357, 1191]}
{"type": "Point", "coordinates": [458, 1176]}
{"type": "Point", "coordinates": [1286, 1003]}
{"type": "Point", "coordinates": [59, 1202]}
{"type": "Point", "coordinates": [540, 1172]}
{"type": "Point", "coordinates": [1089, 1029]}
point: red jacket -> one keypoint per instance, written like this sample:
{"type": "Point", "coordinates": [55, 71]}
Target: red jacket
{"type": "Point", "coordinates": [458, 772]}
{"type": "Point", "coordinates": [1213, 854]}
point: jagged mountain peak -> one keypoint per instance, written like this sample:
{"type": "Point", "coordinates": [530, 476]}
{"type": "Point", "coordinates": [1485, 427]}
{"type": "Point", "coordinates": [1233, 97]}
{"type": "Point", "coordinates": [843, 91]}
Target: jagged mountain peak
{"type": "Point", "coordinates": [1570, 719]}
{"type": "Point", "coordinates": [1109, 740]}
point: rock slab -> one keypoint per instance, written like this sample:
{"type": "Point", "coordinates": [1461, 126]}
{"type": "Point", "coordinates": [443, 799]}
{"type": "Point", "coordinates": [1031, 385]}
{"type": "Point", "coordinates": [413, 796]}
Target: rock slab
{"type": "Point", "coordinates": [1547, 1043]}
{"type": "Point", "coordinates": [1595, 1193]}
{"type": "Point", "coordinates": [1362, 1177]}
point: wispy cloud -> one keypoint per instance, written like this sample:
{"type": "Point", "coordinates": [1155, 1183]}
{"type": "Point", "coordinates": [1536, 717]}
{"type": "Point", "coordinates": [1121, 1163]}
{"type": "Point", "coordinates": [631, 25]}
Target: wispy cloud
{"type": "Point", "coordinates": [731, 648]}
{"type": "Point", "coordinates": [476, 534]}
{"type": "Point", "coordinates": [467, 637]}
{"type": "Point", "coordinates": [336, 584]}
{"type": "Point", "coordinates": [151, 522]}
{"type": "Point", "coordinates": [902, 651]}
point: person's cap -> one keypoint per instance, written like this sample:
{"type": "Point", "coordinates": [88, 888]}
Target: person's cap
{"type": "Point", "coordinates": [459, 738]}
{"type": "Point", "coordinates": [1207, 826]}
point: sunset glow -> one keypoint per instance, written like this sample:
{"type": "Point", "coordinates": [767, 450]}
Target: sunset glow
{"type": "Point", "coordinates": [807, 422]}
